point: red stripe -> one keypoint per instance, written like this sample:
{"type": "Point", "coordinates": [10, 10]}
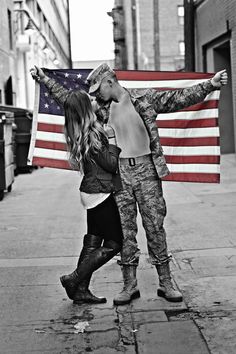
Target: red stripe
{"type": "Point", "coordinates": [162, 75]}
{"type": "Point", "coordinates": [193, 177]}
{"type": "Point", "coordinates": [185, 123]}
{"type": "Point", "coordinates": [50, 145]}
{"type": "Point", "coordinates": [51, 128]}
{"type": "Point", "coordinates": [206, 141]}
{"type": "Point", "coordinates": [208, 159]}
{"type": "Point", "coordinates": [203, 105]}
{"type": "Point", "coordinates": [40, 161]}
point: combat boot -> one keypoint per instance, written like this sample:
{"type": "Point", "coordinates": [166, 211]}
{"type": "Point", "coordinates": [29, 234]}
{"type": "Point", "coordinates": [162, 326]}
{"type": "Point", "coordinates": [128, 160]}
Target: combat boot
{"type": "Point", "coordinates": [130, 290]}
{"type": "Point", "coordinates": [167, 289]}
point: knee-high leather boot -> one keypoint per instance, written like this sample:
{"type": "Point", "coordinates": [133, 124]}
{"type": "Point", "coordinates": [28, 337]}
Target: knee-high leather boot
{"type": "Point", "coordinates": [70, 282]}
{"type": "Point", "coordinates": [95, 260]}
{"type": "Point", "coordinates": [82, 293]}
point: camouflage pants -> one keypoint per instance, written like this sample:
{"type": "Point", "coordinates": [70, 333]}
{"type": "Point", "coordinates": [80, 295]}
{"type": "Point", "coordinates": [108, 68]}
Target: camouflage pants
{"type": "Point", "coordinates": [143, 188]}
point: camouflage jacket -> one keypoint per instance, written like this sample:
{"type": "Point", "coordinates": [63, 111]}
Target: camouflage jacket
{"type": "Point", "coordinates": [148, 103]}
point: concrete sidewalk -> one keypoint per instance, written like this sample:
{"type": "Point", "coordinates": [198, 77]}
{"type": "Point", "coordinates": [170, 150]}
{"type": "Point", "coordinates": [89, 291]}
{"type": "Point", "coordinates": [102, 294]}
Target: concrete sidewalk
{"type": "Point", "coordinates": [41, 229]}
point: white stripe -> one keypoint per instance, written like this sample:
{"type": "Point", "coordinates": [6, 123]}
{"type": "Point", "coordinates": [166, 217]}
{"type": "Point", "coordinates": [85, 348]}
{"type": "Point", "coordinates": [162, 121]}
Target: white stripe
{"type": "Point", "coordinates": [54, 137]}
{"type": "Point", "coordinates": [168, 150]}
{"type": "Point", "coordinates": [160, 83]}
{"type": "Point", "coordinates": [51, 154]}
{"type": "Point", "coordinates": [190, 115]}
{"type": "Point", "coordinates": [189, 133]}
{"type": "Point", "coordinates": [191, 150]}
{"type": "Point", "coordinates": [214, 95]}
{"type": "Point", "coordinates": [34, 124]}
{"type": "Point", "coordinates": [51, 119]}
{"type": "Point", "coordinates": [195, 168]}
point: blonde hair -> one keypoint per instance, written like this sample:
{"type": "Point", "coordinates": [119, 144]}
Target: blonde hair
{"type": "Point", "coordinates": [84, 134]}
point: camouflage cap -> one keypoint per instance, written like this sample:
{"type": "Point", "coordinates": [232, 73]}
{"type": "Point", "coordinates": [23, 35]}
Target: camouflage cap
{"type": "Point", "coordinates": [96, 76]}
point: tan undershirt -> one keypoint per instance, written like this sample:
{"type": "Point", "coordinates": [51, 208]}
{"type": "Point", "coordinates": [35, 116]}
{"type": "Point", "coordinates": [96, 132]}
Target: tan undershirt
{"type": "Point", "coordinates": [131, 133]}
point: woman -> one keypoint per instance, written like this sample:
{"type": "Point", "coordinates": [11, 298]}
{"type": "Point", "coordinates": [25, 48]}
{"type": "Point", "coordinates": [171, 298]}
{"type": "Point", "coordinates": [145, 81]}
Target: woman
{"type": "Point", "coordinates": [93, 150]}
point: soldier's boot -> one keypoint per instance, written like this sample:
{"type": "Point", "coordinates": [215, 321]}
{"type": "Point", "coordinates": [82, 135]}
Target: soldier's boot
{"type": "Point", "coordinates": [71, 281]}
{"type": "Point", "coordinates": [130, 290]}
{"type": "Point", "coordinates": [167, 289]}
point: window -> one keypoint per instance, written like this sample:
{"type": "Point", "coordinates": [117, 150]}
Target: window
{"type": "Point", "coordinates": [180, 10]}
{"type": "Point", "coordinates": [181, 48]}
{"type": "Point", "coordinates": [9, 29]}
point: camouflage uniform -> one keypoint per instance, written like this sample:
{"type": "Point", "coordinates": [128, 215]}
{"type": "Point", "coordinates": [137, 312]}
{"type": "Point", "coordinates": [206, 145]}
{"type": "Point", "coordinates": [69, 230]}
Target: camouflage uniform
{"type": "Point", "coordinates": [142, 187]}
{"type": "Point", "coordinates": [142, 182]}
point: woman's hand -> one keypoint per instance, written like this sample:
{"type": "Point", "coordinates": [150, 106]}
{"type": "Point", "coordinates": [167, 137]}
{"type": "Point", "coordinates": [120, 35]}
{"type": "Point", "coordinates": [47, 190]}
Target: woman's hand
{"type": "Point", "coordinates": [37, 74]}
{"type": "Point", "coordinates": [110, 133]}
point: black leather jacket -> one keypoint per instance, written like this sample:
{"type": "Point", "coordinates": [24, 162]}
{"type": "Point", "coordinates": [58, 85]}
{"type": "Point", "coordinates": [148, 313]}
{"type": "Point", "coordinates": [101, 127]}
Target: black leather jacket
{"type": "Point", "coordinates": [102, 175]}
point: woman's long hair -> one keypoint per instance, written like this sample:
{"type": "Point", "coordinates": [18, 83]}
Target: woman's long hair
{"type": "Point", "coordinates": [84, 134]}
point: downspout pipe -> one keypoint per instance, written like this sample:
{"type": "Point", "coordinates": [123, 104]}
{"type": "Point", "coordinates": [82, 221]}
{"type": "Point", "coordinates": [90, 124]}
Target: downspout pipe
{"type": "Point", "coordinates": [189, 35]}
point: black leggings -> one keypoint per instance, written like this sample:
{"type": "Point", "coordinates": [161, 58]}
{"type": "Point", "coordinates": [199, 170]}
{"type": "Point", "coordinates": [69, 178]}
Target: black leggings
{"type": "Point", "coordinates": [104, 221]}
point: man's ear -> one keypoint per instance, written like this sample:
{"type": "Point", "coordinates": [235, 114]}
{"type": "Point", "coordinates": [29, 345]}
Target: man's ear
{"type": "Point", "coordinates": [110, 82]}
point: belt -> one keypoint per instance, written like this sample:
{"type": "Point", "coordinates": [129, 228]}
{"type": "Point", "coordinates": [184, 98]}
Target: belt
{"type": "Point", "coordinates": [132, 161]}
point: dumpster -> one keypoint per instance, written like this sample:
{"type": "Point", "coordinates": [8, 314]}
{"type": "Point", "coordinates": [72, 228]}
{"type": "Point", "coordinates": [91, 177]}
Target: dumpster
{"type": "Point", "coordinates": [6, 152]}
{"type": "Point", "coordinates": [23, 121]}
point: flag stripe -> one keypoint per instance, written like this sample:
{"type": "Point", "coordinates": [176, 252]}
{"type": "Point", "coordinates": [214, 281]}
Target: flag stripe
{"type": "Point", "coordinates": [196, 123]}
{"type": "Point", "coordinates": [51, 136]}
{"type": "Point", "coordinates": [51, 119]}
{"type": "Point", "coordinates": [55, 128]}
{"type": "Point", "coordinates": [193, 177]}
{"type": "Point", "coordinates": [203, 105]}
{"type": "Point", "coordinates": [191, 150]}
{"type": "Point", "coordinates": [51, 145]}
{"type": "Point", "coordinates": [203, 114]}
{"type": "Point", "coordinates": [137, 84]}
{"type": "Point", "coordinates": [45, 162]}
{"type": "Point", "coordinates": [192, 159]}
{"type": "Point", "coordinates": [51, 153]}
{"type": "Point", "coordinates": [159, 75]}
{"type": "Point", "coordinates": [206, 141]}
{"type": "Point", "coordinates": [174, 123]}
{"type": "Point", "coordinates": [191, 168]}
{"type": "Point", "coordinates": [192, 132]}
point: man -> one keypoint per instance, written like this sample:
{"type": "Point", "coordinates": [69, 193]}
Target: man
{"type": "Point", "coordinates": [132, 115]}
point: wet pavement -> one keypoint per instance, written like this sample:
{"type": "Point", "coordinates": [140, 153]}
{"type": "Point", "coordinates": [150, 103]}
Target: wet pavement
{"type": "Point", "coordinates": [42, 224]}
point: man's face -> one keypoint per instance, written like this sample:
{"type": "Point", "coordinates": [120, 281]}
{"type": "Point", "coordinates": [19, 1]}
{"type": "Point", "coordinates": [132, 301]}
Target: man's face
{"type": "Point", "coordinates": [104, 91]}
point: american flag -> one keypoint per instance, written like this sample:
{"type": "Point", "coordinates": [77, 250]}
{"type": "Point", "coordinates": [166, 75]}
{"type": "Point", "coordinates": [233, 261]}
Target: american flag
{"type": "Point", "coordinates": [189, 137]}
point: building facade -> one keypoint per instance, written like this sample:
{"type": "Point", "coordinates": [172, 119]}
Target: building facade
{"type": "Point", "coordinates": [7, 54]}
{"type": "Point", "coordinates": [171, 34]}
{"type": "Point", "coordinates": [149, 34]}
{"type": "Point", "coordinates": [33, 32]}
{"type": "Point", "coordinates": [91, 64]}
{"type": "Point", "coordinates": [213, 43]}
